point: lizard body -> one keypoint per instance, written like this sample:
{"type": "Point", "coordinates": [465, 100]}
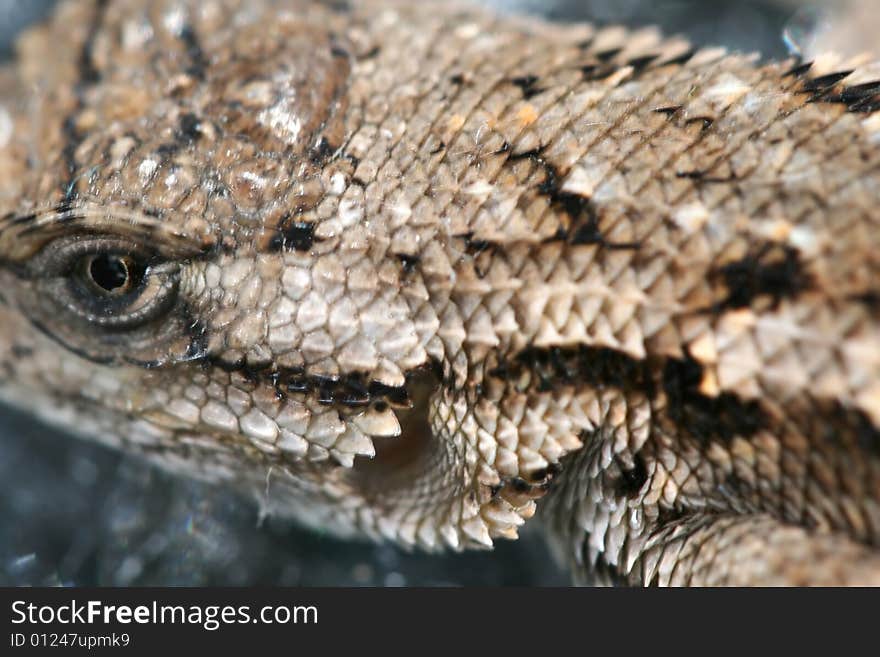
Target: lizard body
{"type": "Point", "coordinates": [400, 273]}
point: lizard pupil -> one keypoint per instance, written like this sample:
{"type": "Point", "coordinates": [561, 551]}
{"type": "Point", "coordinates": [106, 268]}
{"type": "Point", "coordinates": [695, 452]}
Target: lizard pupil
{"type": "Point", "coordinates": [110, 273]}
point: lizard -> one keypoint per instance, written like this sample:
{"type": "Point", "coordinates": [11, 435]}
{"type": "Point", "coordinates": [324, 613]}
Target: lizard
{"type": "Point", "coordinates": [420, 274]}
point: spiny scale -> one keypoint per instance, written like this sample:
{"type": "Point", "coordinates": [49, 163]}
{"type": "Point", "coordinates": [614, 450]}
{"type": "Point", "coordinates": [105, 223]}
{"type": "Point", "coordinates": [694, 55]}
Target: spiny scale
{"type": "Point", "coordinates": [406, 271]}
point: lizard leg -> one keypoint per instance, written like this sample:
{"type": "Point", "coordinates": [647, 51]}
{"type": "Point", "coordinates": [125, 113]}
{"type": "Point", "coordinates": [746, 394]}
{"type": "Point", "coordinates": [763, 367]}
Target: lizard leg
{"type": "Point", "coordinates": [602, 527]}
{"type": "Point", "coordinates": [781, 504]}
{"type": "Point", "coordinates": [730, 550]}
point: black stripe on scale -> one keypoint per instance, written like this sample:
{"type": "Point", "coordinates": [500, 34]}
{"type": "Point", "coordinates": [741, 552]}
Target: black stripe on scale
{"type": "Point", "coordinates": [705, 122]}
{"type": "Point", "coordinates": [608, 55]}
{"type": "Point", "coordinates": [632, 478]}
{"type": "Point", "coordinates": [768, 270]}
{"type": "Point", "coordinates": [188, 128]}
{"type": "Point", "coordinates": [480, 251]}
{"type": "Point", "coordinates": [870, 300]}
{"type": "Point", "coordinates": [584, 227]}
{"type": "Point", "coordinates": [408, 262]}
{"type": "Point", "coordinates": [832, 424]}
{"type": "Point", "coordinates": [474, 247]}
{"type": "Point", "coordinates": [799, 70]}
{"type": "Point", "coordinates": [824, 83]}
{"type": "Point", "coordinates": [532, 486]}
{"type": "Point", "coordinates": [681, 59]}
{"type": "Point", "coordinates": [860, 98]}
{"type": "Point", "coordinates": [703, 177]}
{"type": "Point", "coordinates": [600, 367]}
{"type": "Point", "coordinates": [528, 84]}
{"type": "Point", "coordinates": [322, 152]}
{"type": "Point", "coordinates": [642, 63]}
{"type": "Point", "coordinates": [669, 111]}
{"type": "Point", "coordinates": [584, 216]}
{"type": "Point", "coordinates": [198, 62]}
{"type": "Point", "coordinates": [596, 72]}
{"type": "Point", "coordinates": [187, 132]}
{"type": "Point", "coordinates": [706, 418]}
{"type": "Point", "coordinates": [87, 75]}
{"type": "Point", "coordinates": [372, 53]}
{"type": "Point", "coordinates": [294, 234]}
{"type": "Point", "coordinates": [354, 390]}
{"type": "Point", "coordinates": [605, 66]}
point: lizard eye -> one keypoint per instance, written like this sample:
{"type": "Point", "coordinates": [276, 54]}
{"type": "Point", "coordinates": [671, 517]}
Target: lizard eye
{"type": "Point", "coordinates": [106, 281]}
{"type": "Point", "coordinates": [107, 284]}
{"type": "Point", "coordinates": [112, 274]}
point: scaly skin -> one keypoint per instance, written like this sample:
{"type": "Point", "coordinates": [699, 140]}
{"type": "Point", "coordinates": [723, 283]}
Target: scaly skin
{"type": "Point", "coordinates": [401, 271]}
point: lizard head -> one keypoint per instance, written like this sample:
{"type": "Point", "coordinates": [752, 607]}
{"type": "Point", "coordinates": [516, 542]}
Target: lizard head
{"type": "Point", "coordinates": [191, 268]}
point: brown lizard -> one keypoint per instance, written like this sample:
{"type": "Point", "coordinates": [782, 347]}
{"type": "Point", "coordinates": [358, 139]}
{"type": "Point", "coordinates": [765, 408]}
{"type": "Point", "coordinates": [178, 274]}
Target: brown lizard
{"type": "Point", "coordinates": [413, 273]}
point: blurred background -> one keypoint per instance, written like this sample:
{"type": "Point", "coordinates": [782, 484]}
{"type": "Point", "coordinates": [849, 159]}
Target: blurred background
{"type": "Point", "coordinates": [73, 513]}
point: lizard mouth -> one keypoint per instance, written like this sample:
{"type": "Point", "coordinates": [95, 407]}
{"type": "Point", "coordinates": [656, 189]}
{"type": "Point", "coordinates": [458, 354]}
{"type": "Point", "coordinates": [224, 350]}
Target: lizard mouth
{"type": "Point", "coordinates": [421, 464]}
{"type": "Point", "coordinates": [431, 486]}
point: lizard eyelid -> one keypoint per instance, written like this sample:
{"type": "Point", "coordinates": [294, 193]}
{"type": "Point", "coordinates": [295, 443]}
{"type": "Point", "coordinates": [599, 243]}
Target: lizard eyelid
{"type": "Point", "coordinates": [24, 235]}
